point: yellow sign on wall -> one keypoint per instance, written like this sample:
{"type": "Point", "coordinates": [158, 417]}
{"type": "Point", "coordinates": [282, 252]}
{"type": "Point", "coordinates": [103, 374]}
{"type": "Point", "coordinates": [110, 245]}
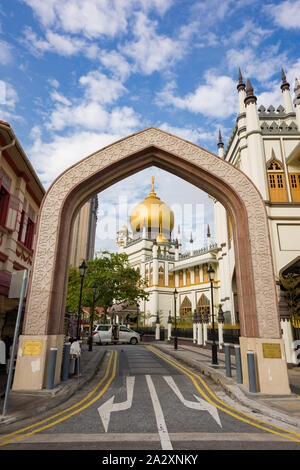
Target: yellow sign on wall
{"type": "Point", "coordinates": [271, 350]}
{"type": "Point", "coordinates": [32, 348]}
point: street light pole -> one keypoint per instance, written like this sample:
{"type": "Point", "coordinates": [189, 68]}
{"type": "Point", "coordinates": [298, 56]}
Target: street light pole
{"type": "Point", "coordinates": [82, 269]}
{"type": "Point", "coordinates": [175, 336]}
{"type": "Point", "coordinates": [94, 290]}
{"type": "Point", "coordinates": [214, 349]}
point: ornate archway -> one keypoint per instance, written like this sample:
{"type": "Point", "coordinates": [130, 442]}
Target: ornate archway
{"type": "Point", "coordinates": [44, 316]}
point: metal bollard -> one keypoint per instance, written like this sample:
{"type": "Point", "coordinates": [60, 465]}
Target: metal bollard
{"type": "Point", "coordinates": [77, 366]}
{"type": "Point", "coordinates": [227, 360]}
{"type": "Point", "coordinates": [51, 368]}
{"type": "Point", "coordinates": [238, 364]}
{"type": "Point", "coordinates": [251, 372]}
{"type": "Point", "coordinates": [66, 361]}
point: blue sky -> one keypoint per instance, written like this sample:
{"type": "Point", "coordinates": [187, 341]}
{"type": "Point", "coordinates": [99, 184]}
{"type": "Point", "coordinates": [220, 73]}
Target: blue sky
{"type": "Point", "coordinates": [79, 74]}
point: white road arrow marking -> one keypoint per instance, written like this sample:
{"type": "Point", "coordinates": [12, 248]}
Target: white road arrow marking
{"type": "Point", "coordinates": [201, 405]}
{"type": "Point", "coordinates": [109, 406]}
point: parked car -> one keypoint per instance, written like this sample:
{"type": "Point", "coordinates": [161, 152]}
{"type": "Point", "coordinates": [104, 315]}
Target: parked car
{"type": "Point", "coordinates": [105, 334]}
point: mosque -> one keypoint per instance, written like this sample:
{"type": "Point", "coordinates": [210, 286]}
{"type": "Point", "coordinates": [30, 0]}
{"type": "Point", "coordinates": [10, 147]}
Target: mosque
{"type": "Point", "coordinates": [161, 263]}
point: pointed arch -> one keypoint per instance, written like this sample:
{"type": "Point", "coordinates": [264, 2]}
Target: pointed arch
{"type": "Point", "coordinates": [45, 305]}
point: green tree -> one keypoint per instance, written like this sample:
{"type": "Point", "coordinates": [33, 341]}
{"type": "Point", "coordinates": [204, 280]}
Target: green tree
{"type": "Point", "coordinates": [117, 282]}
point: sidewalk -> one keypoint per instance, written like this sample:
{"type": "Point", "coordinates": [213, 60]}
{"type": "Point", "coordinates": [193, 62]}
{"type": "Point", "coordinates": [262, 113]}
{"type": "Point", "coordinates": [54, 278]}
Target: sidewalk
{"type": "Point", "coordinates": [283, 408]}
{"type": "Point", "coordinates": [22, 405]}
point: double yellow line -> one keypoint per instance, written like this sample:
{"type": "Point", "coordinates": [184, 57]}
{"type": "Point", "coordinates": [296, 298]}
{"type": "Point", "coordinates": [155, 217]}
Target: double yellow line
{"type": "Point", "coordinates": [41, 426]}
{"type": "Point", "coordinates": [210, 396]}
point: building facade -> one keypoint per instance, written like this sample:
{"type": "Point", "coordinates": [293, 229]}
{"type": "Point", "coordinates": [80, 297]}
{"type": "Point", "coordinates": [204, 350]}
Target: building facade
{"type": "Point", "coordinates": [84, 233]}
{"type": "Point", "coordinates": [265, 144]}
{"type": "Point", "coordinates": [21, 194]}
{"type": "Point", "coordinates": [161, 263]}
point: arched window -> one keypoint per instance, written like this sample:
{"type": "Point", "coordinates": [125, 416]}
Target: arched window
{"type": "Point", "coordinates": [146, 274]}
{"type": "Point", "coordinates": [276, 182]}
{"type": "Point", "coordinates": [186, 307]}
{"type": "Point", "coordinates": [151, 276]}
{"type": "Point", "coordinates": [197, 275]}
{"type": "Point", "coordinates": [188, 277]}
{"type": "Point", "coordinates": [171, 279]}
{"type": "Point", "coordinates": [161, 276]}
{"type": "Point", "coordinates": [203, 302]}
{"type": "Point", "coordinates": [205, 275]}
{"type": "Point", "coordinates": [180, 278]}
{"type": "Point", "coordinates": [295, 186]}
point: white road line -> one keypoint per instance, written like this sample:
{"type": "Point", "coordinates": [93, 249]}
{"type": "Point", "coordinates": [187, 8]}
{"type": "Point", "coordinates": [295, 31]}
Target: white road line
{"type": "Point", "coordinates": [160, 420]}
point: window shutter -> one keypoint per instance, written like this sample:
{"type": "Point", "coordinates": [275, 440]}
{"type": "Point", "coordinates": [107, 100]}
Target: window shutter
{"type": "Point", "coordinates": [12, 213]}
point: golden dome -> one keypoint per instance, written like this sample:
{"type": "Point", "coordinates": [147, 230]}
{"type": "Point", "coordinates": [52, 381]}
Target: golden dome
{"type": "Point", "coordinates": [154, 213]}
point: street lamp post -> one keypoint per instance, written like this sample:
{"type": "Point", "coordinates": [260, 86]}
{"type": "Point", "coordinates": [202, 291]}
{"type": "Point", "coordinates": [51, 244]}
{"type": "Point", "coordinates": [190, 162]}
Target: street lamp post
{"type": "Point", "coordinates": [94, 290]}
{"type": "Point", "coordinates": [214, 350]}
{"type": "Point", "coordinates": [82, 270]}
{"type": "Point", "coordinates": [175, 336]}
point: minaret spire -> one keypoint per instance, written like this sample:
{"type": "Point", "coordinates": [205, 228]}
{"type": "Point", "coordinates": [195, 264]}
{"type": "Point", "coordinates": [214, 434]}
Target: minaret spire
{"type": "Point", "coordinates": [284, 85]}
{"type": "Point", "coordinates": [220, 145]}
{"type": "Point", "coordinates": [241, 84]}
{"type": "Point", "coordinates": [250, 97]}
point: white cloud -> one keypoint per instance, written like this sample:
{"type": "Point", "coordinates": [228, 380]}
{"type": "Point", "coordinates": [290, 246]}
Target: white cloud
{"type": "Point", "coordinates": [217, 97]}
{"type": "Point", "coordinates": [151, 51]}
{"type": "Point", "coordinates": [55, 96]}
{"type": "Point", "coordinates": [61, 44]}
{"type": "Point", "coordinates": [8, 101]}
{"type": "Point", "coordinates": [99, 87]}
{"type": "Point", "coordinates": [115, 63]}
{"type": "Point", "coordinates": [285, 14]}
{"type": "Point", "coordinates": [92, 18]}
{"type": "Point", "coordinates": [259, 66]}
{"type": "Point", "coordinates": [52, 158]}
{"type": "Point", "coordinates": [6, 56]}
{"type": "Point", "coordinates": [273, 95]}
{"type": "Point", "coordinates": [250, 33]}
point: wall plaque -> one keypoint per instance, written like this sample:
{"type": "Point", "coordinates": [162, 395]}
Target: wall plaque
{"type": "Point", "coordinates": [32, 348]}
{"type": "Point", "coordinates": [271, 350]}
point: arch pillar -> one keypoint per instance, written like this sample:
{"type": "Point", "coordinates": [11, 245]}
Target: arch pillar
{"type": "Point", "coordinates": [258, 305]}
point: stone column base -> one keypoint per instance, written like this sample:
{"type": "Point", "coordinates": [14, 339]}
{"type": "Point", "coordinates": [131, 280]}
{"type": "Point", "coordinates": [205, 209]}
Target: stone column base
{"type": "Point", "coordinates": [32, 361]}
{"type": "Point", "coordinates": [270, 364]}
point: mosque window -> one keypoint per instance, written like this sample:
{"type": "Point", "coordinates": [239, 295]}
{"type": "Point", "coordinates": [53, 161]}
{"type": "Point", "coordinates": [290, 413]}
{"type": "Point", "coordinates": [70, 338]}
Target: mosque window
{"type": "Point", "coordinates": [186, 307]}
{"type": "Point", "coordinates": [202, 303]}
{"type": "Point", "coordinates": [188, 278]}
{"type": "Point", "coordinates": [205, 274]}
{"type": "Point", "coordinates": [197, 276]}
{"type": "Point", "coordinates": [276, 182]}
{"type": "Point", "coordinates": [161, 276]}
{"type": "Point", "coordinates": [295, 186]}
{"type": "Point", "coordinates": [151, 276]}
{"type": "Point", "coordinates": [171, 279]}
{"type": "Point", "coordinates": [146, 274]}
{"type": "Point", "coordinates": [180, 278]}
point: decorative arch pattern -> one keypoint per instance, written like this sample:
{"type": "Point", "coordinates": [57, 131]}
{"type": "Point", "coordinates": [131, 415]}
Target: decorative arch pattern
{"type": "Point", "coordinates": [47, 290]}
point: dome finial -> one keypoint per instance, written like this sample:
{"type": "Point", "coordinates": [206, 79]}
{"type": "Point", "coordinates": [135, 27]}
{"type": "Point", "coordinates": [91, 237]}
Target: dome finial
{"type": "Point", "coordinates": [153, 179]}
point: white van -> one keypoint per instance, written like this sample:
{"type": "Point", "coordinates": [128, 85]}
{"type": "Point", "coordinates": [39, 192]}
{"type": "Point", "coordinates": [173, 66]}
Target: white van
{"type": "Point", "coordinates": [105, 334]}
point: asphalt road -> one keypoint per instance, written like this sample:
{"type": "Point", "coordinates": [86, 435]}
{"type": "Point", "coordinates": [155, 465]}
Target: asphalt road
{"type": "Point", "coordinates": [144, 400]}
